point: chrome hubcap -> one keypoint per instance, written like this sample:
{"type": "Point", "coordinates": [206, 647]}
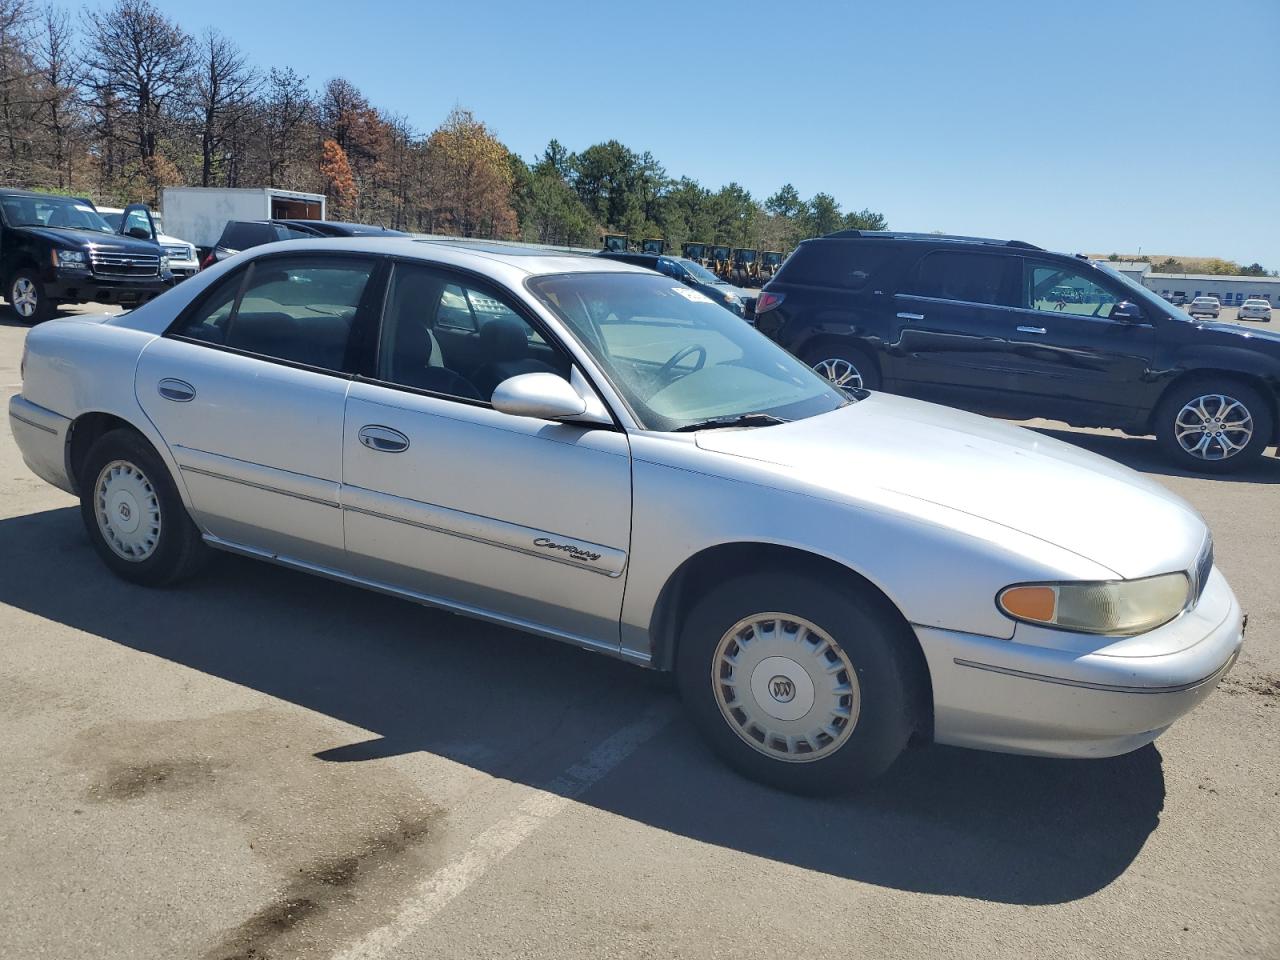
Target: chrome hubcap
{"type": "Point", "coordinates": [785, 687]}
{"type": "Point", "coordinates": [840, 372]}
{"type": "Point", "coordinates": [128, 510]}
{"type": "Point", "coordinates": [1213, 427]}
{"type": "Point", "coordinates": [23, 297]}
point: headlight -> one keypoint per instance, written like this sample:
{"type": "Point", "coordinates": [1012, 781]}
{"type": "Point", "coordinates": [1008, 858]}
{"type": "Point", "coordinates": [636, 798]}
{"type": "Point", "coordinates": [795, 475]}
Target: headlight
{"type": "Point", "coordinates": [730, 298]}
{"type": "Point", "coordinates": [68, 258]}
{"type": "Point", "coordinates": [164, 263]}
{"type": "Point", "coordinates": [1118, 607]}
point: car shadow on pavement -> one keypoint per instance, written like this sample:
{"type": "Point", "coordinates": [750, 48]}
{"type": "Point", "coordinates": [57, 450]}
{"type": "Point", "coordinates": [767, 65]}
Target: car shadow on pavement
{"type": "Point", "coordinates": [1144, 454]}
{"type": "Point", "coordinates": [943, 821]}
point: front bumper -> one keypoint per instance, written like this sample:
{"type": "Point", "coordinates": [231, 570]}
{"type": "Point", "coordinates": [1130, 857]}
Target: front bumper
{"type": "Point", "coordinates": [81, 286]}
{"type": "Point", "coordinates": [41, 436]}
{"type": "Point", "coordinates": [1018, 698]}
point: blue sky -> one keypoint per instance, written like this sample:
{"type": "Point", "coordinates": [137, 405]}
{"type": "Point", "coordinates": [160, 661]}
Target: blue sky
{"type": "Point", "coordinates": [1080, 126]}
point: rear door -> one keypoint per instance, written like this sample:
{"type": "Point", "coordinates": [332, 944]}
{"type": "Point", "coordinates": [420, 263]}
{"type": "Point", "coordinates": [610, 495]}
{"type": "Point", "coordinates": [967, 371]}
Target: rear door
{"type": "Point", "coordinates": [248, 389]}
{"type": "Point", "coordinates": [952, 325]}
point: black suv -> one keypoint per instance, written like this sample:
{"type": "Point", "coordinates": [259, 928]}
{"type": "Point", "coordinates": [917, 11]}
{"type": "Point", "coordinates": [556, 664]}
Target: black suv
{"type": "Point", "coordinates": [1008, 329]}
{"type": "Point", "coordinates": [693, 274]}
{"type": "Point", "coordinates": [57, 249]}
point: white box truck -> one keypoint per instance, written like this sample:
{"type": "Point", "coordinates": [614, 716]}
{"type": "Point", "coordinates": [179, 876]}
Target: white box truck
{"type": "Point", "coordinates": [198, 214]}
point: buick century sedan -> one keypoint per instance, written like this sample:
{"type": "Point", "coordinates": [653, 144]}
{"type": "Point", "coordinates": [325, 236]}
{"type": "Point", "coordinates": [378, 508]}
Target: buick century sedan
{"type": "Point", "coordinates": [595, 453]}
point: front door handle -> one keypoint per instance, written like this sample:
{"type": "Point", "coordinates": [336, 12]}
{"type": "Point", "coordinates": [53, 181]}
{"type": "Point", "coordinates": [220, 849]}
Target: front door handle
{"type": "Point", "coordinates": [1035, 330]}
{"type": "Point", "coordinates": [179, 391]}
{"type": "Point", "coordinates": [383, 439]}
{"type": "Point", "coordinates": [911, 316]}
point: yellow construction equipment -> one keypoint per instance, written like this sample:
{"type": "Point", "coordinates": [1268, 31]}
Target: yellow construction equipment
{"type": "Point", "coordinates": [657, 245]}
{"type": "Point", "coordinates": [616, 242]}
{"type": "Point", "coordinates": [770, 261]}
{"type": "Point", "coordinates": [722, 262]}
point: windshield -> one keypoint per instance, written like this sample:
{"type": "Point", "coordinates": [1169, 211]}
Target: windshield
{"type": "Point", "coordinates": [700, 273]}
{"type": "Point", "coordinates": [50, 211]}
{"type": "Point", "coordinates": [677, 357]}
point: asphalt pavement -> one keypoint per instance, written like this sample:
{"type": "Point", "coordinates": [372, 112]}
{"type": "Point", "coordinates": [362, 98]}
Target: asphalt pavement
{"type": "Point", "coordinates": [259, 764]}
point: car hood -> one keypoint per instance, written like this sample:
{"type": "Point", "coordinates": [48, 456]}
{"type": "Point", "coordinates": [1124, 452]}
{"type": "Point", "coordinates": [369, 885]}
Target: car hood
{"type": "Point", "coordinates": [111, 242]}
{"type": "Point", "coordinates": [1245, 333]}
{"type": "Point", "coordinates": [1007, 475]}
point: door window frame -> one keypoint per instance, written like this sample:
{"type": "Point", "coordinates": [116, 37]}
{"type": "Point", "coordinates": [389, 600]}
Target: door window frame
{"type": "Point", "coordinates": [470, 279]}
{"type": "Point", "coordinates": [359, 341]}
{"type": "Point", "coordinates": [1010, 279]}
{"type": "Point", "coordinates": [1101, 281]}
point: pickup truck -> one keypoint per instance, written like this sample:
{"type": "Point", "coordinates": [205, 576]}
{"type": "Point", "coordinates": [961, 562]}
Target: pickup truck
{"type": "Point", "coordinates": [56, 249]}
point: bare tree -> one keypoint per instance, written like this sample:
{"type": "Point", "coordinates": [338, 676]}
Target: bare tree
{"type": "Point", "coordinates": [56, 66]}
{"type": "Point", "coordinates": [286, 110]}
{"type": "Point", "coordinates": [15, 92]}
{"type": "Point", "coordinates": [224, 98]}
{"type": "Point", "coordinates": [143, 61]}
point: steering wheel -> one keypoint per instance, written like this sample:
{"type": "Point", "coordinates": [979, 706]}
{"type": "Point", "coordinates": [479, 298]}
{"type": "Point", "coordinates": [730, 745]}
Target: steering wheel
{"type": "Point", "coordinates": [693, 348]}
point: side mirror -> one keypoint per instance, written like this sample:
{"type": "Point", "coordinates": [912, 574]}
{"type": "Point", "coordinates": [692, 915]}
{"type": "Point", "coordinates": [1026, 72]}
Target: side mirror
{"type": "Point", "coordinates": [1127, 311]}
{"type": "Point", "coordinates": [138, 233]}
{"type": "Point", "coordinates": [544, 396]}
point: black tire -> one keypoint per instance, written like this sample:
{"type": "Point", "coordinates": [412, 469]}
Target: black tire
{"type": "Point", "coordinates": [43, 307]}
{"type": "Point", "coordinates": [827, 357]}
{"type": "Point", "coordinates": [178, 551]}
{"type": "Point", "coordinates": [868, 636]}
{"type": "Point", "coordinates": [1171, 407]}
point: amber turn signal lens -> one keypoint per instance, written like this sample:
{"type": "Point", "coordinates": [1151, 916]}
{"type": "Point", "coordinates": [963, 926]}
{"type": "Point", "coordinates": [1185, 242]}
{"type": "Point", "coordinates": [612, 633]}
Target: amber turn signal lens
{"type": "Point", "coordinates": [1030, 603]}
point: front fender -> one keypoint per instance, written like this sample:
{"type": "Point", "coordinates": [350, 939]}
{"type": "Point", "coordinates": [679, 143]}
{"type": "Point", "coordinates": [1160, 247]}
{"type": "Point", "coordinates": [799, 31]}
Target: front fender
{"type": "Point", "coordinates": [938, 566]}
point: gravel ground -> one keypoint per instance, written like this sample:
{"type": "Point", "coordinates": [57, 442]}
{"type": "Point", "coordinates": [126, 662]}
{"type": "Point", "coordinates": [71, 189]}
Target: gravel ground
{"type": "Point", "coordinates": [264, 765]}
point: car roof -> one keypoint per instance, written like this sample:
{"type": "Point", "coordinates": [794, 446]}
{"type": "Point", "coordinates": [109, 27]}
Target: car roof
{"type": "Point", "coordinates": [931, 237]}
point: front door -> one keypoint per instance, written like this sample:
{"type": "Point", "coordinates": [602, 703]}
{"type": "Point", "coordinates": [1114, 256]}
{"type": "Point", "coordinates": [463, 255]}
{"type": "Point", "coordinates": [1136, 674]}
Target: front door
{"type": "Point", "coordinates": [248, 389]}
{"type": "Point", "coordinates": [522, 520]}
{"type": "Point", "coordinates": [1073, 359]}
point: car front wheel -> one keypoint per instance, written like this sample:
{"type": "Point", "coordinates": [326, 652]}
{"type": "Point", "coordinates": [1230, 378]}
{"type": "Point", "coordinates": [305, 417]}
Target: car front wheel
{"type": "Point", "coordinates": [27, 297]}
{"type": "Point", "coordinates": [133, 513]}
{"type": "Point", "coordinates": [1214, 426]}
{"type": "Point", "coordinates": [798, 682]}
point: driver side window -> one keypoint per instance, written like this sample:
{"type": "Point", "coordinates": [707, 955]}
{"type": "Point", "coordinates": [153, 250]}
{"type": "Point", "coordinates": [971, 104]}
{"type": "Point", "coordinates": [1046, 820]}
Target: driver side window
{"type": "Point", "coordinates": [1050, 288]}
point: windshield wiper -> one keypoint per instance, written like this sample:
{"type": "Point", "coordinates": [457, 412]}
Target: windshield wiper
{"type": "Point", "coordinates": [734, 420]}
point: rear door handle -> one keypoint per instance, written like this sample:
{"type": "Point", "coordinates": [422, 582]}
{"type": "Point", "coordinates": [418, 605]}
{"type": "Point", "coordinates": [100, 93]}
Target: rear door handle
{"type": "Point", "coordinates": [383, 439]}
{"type": "Point", "coordinates": [911, 316]}
{"type": "Point", "coordinates": [176, 390]}
{"type": "Point", "coordinates": [1035, 330]}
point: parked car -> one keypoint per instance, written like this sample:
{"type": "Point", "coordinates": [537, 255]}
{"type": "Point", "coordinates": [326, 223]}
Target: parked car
{"type": "Point", "coordinates": [978, 324]}
{"type": "Point", "coordinates": [56, 249]}
{"type": "Point", "coordinates": [144, 224]}
{"type": "Point", "coordinates": [828, 573]}
{"type": "Point", "coordinates": [1205, 307]}
{"type": "Point", "coordinates": [1255, 308]}
{"type": "Point", "coordinates": [338, 228]}
{"type": "Point", "coordinates": [1177, 298]}
{"type": "Point", "coordinates": [240, 235]}
{"type": "Point", "coordinates": [693, 275]}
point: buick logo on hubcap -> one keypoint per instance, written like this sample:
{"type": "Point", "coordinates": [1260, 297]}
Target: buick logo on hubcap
{"type": "Point", "coordinates": [125, 512]}
{"type": "Point", "coordinates": [782, 689]}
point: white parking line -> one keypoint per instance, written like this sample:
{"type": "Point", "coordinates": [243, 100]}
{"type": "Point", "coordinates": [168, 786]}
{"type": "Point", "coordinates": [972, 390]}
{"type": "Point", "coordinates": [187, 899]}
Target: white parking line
{"type": "Point", "coordinates": [490, 846]}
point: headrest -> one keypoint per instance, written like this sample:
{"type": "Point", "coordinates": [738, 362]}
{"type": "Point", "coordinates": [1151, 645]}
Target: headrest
{"type": "Point", "coordinates": [504, 340]}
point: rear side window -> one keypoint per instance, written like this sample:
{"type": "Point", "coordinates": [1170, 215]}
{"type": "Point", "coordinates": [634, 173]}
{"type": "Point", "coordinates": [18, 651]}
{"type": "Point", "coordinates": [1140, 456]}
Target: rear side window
{"type": "Point", "coordinates": [300, 309]}
{"type": "Point", "coordinates": [970, 277]}
{"type": "Point", "coordinates": [849, 264]}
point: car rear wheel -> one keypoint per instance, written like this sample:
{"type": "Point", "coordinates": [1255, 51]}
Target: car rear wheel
{"type": "Point", "coordinates": [133, 514]}
{"type": "Point", "coordinates": [846, 366]}
{"type": "Point", "coordinates": [27, 298]}
{"type": "Point", "coordinates": [798, 682]}
{"type": "Point", "coordinates": [1214, 426]}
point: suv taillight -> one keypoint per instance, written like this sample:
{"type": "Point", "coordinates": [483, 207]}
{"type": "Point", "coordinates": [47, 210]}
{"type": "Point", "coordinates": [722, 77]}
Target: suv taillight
{"type": "Point", "coordinates": [767, 301]}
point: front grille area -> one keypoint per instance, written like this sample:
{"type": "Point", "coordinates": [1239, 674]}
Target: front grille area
{"type": "Point", "coordinates": [124, 264]}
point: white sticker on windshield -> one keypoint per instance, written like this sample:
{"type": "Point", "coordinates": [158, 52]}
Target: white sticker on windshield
{"type": "Point", "coordinates": [692, 295]}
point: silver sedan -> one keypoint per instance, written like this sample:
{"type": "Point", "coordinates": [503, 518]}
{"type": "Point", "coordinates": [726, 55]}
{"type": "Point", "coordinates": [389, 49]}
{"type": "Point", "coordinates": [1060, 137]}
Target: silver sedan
{"type": "Point", "coordinates": [597, 454]}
